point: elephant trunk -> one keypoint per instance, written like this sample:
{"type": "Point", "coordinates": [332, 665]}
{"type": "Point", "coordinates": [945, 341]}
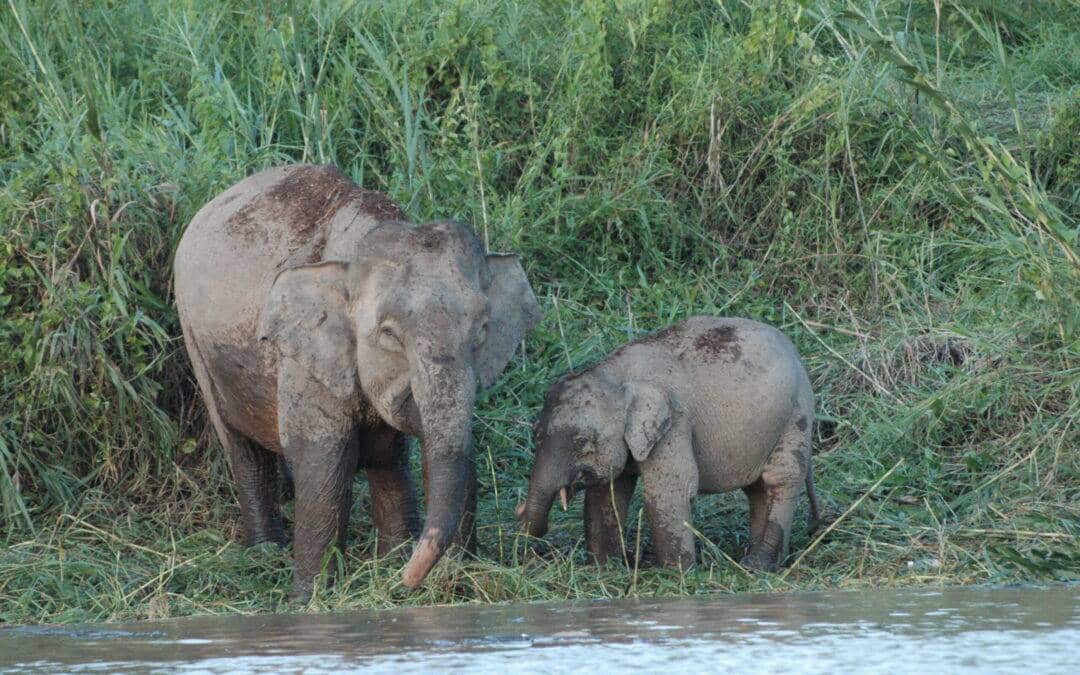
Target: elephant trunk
{"type": "Point", "coordinates": [444, 390]}
{"type": "Point", "coordinates": [548, 477]}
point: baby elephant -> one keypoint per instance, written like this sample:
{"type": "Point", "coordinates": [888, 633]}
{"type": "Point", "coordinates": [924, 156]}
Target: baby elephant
{"type": "Point", "coordinates": [704, 406]}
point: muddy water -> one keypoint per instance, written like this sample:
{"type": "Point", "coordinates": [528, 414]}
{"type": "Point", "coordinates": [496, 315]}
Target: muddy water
{"type": "Point", "coordinates": [963, 630]}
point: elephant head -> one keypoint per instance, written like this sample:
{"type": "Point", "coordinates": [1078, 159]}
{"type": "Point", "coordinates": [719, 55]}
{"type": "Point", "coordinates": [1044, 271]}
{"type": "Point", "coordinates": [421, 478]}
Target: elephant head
{"type": "Point", "coordinates": [407, 326]}
{"type": "Point", "coordinates": [590, 428]}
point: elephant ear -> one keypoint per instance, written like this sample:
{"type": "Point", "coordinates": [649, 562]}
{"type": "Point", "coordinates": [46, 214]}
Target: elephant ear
{"type": "Point", "coordinates": [514, 311]}
{"type": "Point", "coordinates": [306, 318]}
{"type": "Point", "coordinates": [648, 418]}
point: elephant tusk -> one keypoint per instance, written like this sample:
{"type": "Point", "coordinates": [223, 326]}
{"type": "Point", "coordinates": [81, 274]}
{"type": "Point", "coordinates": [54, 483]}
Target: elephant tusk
{"type": "Point", "coordinates": [564, 498]}
{"type": "Point", "coordinates": [520, 510]}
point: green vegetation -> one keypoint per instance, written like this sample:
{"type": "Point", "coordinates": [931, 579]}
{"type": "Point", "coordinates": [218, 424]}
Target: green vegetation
{"type": "Point", "coordinates": [895, 184]}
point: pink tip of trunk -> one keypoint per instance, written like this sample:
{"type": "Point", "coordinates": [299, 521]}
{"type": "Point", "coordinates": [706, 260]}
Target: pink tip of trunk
{"type": "Point", "coordinates": [424, 557]}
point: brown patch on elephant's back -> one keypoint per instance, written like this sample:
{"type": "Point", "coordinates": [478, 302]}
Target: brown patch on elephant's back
{"type": "Point", "coordinates": [242, 223]}
{"type": "Point", "coordinates": [310, 195]}
{"type": "Point", "coordinates": [306, 197]}
{"type": "Point", "coordinates": [720, 342]}
{"type": "Point", "coordinates": [378, 205]}
{"type": "Point", "coordinates": [322, 190]}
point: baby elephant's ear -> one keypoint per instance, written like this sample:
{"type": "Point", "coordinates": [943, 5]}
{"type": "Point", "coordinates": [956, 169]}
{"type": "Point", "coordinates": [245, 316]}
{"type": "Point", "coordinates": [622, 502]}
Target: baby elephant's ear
{"type": "Point", "coordinates": [648, 418]}
{"type": "Point", "coordinates": [306, 318]}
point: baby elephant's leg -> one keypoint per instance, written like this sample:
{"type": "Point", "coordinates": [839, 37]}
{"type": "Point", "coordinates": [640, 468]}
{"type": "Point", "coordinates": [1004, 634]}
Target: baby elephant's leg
{"type": "Point", "coordinates": [673, 540]}
{"type": "Point", "coordinates": [605, 517]}
{"type": "Point", "coordinates": [773, 497]}
{"type": "Point", "coordinates": [759, 509]}
{"type": "Point", "coordinates": [668, 498]}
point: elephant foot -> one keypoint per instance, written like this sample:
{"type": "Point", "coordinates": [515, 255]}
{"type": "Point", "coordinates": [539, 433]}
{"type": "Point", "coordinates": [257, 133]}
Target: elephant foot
{"type": "Point", "coordinates": [759, 561]}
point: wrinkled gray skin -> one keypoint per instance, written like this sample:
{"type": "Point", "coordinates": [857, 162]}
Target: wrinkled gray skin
{"type": "Point", "coordinates": [322, 326]}
{"type": "Point", "coordinates": [707, 405]}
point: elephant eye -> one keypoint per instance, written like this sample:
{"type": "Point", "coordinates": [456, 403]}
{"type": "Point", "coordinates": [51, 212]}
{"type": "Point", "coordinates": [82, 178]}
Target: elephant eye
{"type": "Point", "coordinates": [387, 338]}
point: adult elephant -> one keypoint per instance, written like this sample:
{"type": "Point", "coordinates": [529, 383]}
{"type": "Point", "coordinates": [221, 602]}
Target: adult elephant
{"type": "Point", "coordinates": [321, 326]}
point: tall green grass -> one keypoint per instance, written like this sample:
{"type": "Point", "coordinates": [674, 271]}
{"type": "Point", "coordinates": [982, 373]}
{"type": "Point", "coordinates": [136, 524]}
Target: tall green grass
{"type": "Point", "coordinates": [894, 184]}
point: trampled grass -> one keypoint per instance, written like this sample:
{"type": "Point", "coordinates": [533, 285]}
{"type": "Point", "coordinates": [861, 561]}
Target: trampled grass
{"type": "Point", "coordinates": [894, 184]}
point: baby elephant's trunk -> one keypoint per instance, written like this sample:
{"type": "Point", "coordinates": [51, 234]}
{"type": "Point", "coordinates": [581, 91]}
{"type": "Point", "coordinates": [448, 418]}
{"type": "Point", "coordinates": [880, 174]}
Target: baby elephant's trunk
{"type": "Point", "coordinates": [547, 478]}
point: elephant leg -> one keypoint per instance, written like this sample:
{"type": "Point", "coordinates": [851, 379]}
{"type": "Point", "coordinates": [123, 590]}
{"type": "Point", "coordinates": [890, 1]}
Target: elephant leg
{"type": "Point", "coordinates": [320, 440]}
{"type": "Point", "coordinates": [759, 510]}
{"type": "Point", "coordinates": [673, 540]}
{"type": "Point", "coordinates": [605, 517]}
{"type": "Point", "coordinates": [288, 490]}
{"type": "Point", "coordinates": [669, 492]}
{"type": "Point", "coordinates": [253, 468]}
{"type": "Point", "coordinates": [255, 475]}
{"type": "Point", "coordinates": [323, 472]}
{"type": "Point", "coordinates": [385, 457]}
{"type": "Point", "coordinates": [670, 483]}
{"type": "Point", "coordinates": [781, 483]}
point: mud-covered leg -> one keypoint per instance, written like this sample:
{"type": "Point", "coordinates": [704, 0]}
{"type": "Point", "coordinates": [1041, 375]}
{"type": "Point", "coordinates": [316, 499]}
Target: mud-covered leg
{"type": "Point", "coordinates": [253, 468]}
{"type": "Point", "coordinates": [669, 490]}
{"type": "Point", "coordinates": [670, 482]}
{"type": "Point", "coordinates": [321, 444]}
{"type": "Point", "coordinates": [323, 469]}
{"type": "Point", "coordinates": [673, 540]}
{"type": "Point", "coordinates": [384, 453]}
{"type": "Point", "coordinates": [759, 510]}
{"type": "Point", "coordinates": [782, 483]}
{"type": "Point", "coordinates": [605, 517]}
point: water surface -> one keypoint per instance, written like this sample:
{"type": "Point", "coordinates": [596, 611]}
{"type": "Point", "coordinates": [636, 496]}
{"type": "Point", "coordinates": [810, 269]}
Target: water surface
{"type": "Point", "coordinates": [895, 631]}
